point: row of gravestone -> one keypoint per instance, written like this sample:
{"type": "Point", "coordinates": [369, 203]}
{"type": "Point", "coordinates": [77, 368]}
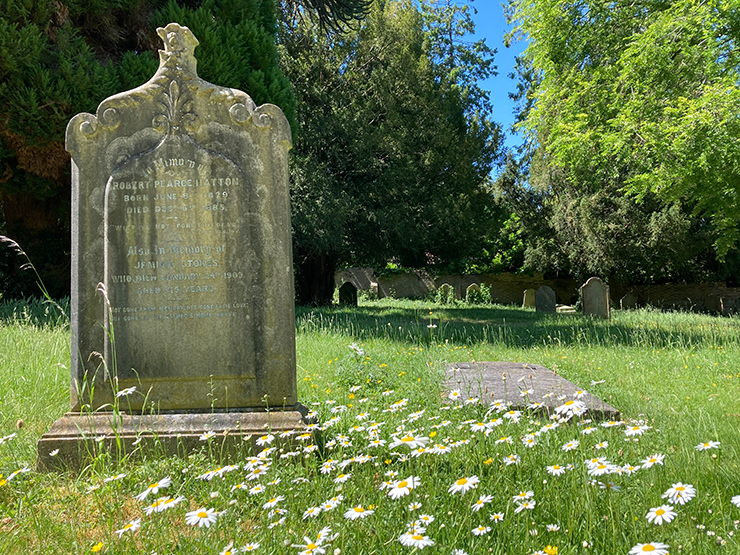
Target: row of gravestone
{"type": "Point", "coordinates": [594, 299]}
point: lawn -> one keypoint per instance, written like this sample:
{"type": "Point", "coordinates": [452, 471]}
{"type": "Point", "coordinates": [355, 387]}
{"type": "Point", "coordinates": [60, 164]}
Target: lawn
{"type": "Point", "coordinates": [397, 467]}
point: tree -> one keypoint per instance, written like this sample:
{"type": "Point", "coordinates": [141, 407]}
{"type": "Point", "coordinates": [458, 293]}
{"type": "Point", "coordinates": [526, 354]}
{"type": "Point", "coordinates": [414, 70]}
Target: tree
{"type": "Point", "coordinates": [643, 95]}
{"type": "Point", "coordinates": [61, 58]}
{"type": "Point", "coordinates": [392, 152]}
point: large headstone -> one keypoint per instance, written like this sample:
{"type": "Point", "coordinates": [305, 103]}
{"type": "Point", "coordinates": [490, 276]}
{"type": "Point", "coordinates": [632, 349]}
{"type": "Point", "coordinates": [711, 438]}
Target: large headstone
{"type": "Point", "coordinates": [595, 298]}
{"type": "Point", "coordinates": [528, 301]}
{"type": "Point", "coordinates": [181, 246]}
{"type": "Point", "coordinates": [544, 299]}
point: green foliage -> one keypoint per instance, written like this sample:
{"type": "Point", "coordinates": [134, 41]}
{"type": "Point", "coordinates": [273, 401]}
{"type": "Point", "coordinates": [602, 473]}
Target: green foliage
{"type": "Point", "coordinates": [643, 95]}
{"type": "Point", "coordinates": [390, 161]}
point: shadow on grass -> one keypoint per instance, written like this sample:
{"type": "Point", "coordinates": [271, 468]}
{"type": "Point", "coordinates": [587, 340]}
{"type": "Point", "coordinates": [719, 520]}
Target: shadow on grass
{"type": "Point", "coordinates": [516, 327]}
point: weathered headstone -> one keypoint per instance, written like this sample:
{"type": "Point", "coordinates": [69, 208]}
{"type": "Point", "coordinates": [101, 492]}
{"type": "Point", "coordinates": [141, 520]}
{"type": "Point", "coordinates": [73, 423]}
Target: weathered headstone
{"type": "Point", "coordinates": [727, 305]}
{"type": "Point", "coordinates": [595, 298]}
{"type": "Point", "coordinates": [628, 302]}
{"type": "Point", "coordinates": [712, 304]}
{"type": "Point", "coordinates": [181, 251]}
{"type": "Point", "coordinates": [348, 294]}
{"type": "Point", "coordinates": [445, 294]}
{"type": "Point", "coordinates": [544, 299]}
{"type": "Point", "coordinates": [529, 301]}
{"type": "Point", "coordinates": [474, 294]}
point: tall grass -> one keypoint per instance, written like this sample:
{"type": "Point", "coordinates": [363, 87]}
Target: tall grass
{"type": "Point", "coordinates": [678, 374]}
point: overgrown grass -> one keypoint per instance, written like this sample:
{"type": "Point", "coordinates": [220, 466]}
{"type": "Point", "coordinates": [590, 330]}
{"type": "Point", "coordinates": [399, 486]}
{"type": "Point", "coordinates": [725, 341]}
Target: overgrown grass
{"type": "Point", "coordinates": [678, 374]}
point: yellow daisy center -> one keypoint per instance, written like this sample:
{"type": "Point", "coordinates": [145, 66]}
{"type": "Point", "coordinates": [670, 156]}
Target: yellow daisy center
{"type": "Point", "coordinates": [462, 481]}
{"type": "Point", "coordinates": [680, 488]}
{"type": "Point", "coordinates": [402, 484]}
{"type": "Point", "coordinates": [202, 514]}
{"type": "Point", "coordinates": [359, 510]}
{"type": "Point", "coordinates": [648, 548]}
{"type": "Point", "coordinates": [417, 537]}
{"type": "Point", "coordinates": [660, 512]}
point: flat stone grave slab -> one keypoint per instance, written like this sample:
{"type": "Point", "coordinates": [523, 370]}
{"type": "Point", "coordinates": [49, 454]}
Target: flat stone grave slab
{"type": "Point", "coordinates": [493, 381]}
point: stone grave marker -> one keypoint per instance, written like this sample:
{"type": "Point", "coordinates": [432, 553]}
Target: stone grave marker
{"type": "Point", "coordinates": [529, 301]}
{"type": "Point", "coordinates": [182, 282]}
{"type": "Point", "coordinates": [727, 305]}
{"type": "Point", "coordinates": [544, 299]}
{"type": "Point", "coordinates": [712, 304]}
{"type": "Point", "coordinates": [595, 298]}
{"type": "Point", "coordinates": [348, 294]}
{"type": "Point", "coordinates": [628, 302]}
{"type": "Point", "coordinates": [473, 294]}
{"type": "Point", "coordinates": [446, 293]}
{"type": "Point", "coordinates": [521, 386]}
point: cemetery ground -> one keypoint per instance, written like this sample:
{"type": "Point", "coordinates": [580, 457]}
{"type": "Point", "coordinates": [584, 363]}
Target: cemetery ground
{"type": "Point", "coordinates": [483, 482]}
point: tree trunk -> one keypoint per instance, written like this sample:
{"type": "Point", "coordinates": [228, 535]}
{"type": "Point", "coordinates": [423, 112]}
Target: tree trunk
{"type": "Point", "coordinates": [315, 279]}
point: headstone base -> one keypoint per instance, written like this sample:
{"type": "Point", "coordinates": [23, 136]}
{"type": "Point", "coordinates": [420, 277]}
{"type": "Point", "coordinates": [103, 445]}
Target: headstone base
{"type": "Point", "coordinates": [80, 437]}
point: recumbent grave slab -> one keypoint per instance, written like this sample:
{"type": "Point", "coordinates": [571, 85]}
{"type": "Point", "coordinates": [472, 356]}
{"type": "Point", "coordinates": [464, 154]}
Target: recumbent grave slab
{"type": "Point", "coordinates": [182, 282]}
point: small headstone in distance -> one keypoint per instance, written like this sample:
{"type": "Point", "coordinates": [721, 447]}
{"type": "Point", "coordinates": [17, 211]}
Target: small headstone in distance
{"type": "Point", "coordinates": [712, 304]}
{"type": "Point", "coordinates": [628, 302]}
{"type": "Point", "coordinates": [595, 298]}
{"type": "Point", "coordinates": [727, 305]}
{"type": "Point", "coordinates": [473, 294]}
{"type": "Point", "coordinates": [544, 299]}
{"type": "Point", "coordinates": [445, 294]}
{"type": "Point", "coordinates": [529, 298]}
{"type": "Point", "coordinates": [348, 294]}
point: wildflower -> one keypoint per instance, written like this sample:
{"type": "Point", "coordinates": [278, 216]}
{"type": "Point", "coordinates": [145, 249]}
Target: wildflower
{"type": "Point", "coordinates": [550, 550]}
{"type": "Point", "coordinates": [504, 439]}
{"type": "Point", "coordinates": [20, 471]}
{"type": "Point", "coordinates": [736, 501]}
{"type": "Point", "coordinates": [478, 505]}
{"type": "Point", "coordinates": [342, 478]}
{"type": "Point", "coordinates": [573, 444]}
{"type": "Point", "coordinates": [680, 493]}
{"type": "Point", "coordinates": [571, 407]}
{"type": "Point", "coordinates": [265, 440]}
{"type": "Point", "coordinates": [97, 547]}
{"type": "Point", "coordinates": [358, 512]}
{"type": "Point", "coordinates": [134, 525]}
{"type": "Point", "coordinates": [523, 496]}
{"type": "Point", "coordinates": [154, 488]}
{"type": "Point", "coordinates": [404, 487]}
{"type": "Point", "coordinates": [205, 436]}
{"type": "Point", "coordinates": [555, 470]}
{"type": "Point", "coordinates": [512, 459]}
{"type": "Point", "coordinates": [656, 548]}
{"type": "Point", "coordinates": [125, 392]}
{"type": "Point", "coordinates": [464, 484]}
{"type": "Point", "coordinates": [250, 547]}
{"type": "Point", "coordinates": [167, 503]}
{"type": "Point", "coordinates": [653, 460]}
{"type": "Point", "coordinates": [481, 530]}
{"type": "Point", "coordinates": [114, 478]}
{"type": "Point", "coordinates": [553, 527]}
{"type": "Point", "coordinates": [273, 502]}
{"type": "Point", "coordinates": [659, 515]}
{"type": "Point", "coordinates": [201, 517]}
{"type": "Point", "coordinates": [410, 441]}
{"type": "Point", "coordinates": [587, 431]}
{"type": "Point", "coordinates": [415, 539]}
{"type": "Point", "coordinates": [529, 505]}
{"type": "Point", "coordinates": [54, 453]}
{"type": "Point", "coordinates": [426, 519]}
{"type": "Point", "coordinates": [414, 506]}
{"type": "Point", "coordinates": [708, 445]}
{"type": "Point", "coordinates": [312, 512]}
{"type": "Point", "coordinates": [497, 517]}
{"type": "Point", "coordinates": [5, 439]}
{"type": "Point", "coordinates": [636, 431]}
{"type": "Point", "coordinates": [602, 445]}
{"type": "Point", "coordinates": [611, 486]}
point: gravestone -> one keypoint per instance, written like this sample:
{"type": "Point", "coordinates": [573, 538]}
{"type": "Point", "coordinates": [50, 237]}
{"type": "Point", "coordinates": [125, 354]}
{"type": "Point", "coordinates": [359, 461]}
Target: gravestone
{"type": "Point", "coordinates": [474, 295]}
{"type": "Point", "coordinates": [628, 302]}
{"type": "Point", "coordinates": [348, 294]}
{"type": "Point", "coordinates": [727, 304]}
{"type": "Point", "coordinates": [712, 304]}
{"type": "Point", "coordinates": [445, 294]}
{"type": "Point", "coordinates": [544, 299]}
{"type": "Point", "coordinates": [182, 281]}
{"type": "Point", "coordinates": [529, 301]}
{"type": "Point", "coordinates": [595, 298]}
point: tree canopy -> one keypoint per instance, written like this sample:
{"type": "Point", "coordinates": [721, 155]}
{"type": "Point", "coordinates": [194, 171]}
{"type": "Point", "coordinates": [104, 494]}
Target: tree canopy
{"type": "Point", "coordinates": [642, 94]}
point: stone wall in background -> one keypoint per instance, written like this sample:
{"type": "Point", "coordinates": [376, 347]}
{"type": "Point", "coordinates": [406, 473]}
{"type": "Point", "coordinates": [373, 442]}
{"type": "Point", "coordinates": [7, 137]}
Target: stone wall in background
{"type": "Point", "coordinates": [509, 289]}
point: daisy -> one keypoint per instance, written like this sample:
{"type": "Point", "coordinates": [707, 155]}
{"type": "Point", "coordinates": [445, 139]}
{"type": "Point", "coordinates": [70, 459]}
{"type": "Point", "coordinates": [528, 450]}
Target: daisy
{"type": "Point", "coordinates": [573, 444]}
{"type": "Point", "coordinates": [273, 502]}
{"type": "Point", "coordinates": [154, 488]}
{"type": "Point", "coordinates": [512, 459]}
{"type": "Point", "coordinates": [415, 539]}
{"type": "Point", "coordinates": [481, 530]}
{"type": "Point", "coordinates": [414, 506]}
{"type": "Point", "coordinates": [127, 391]}
{"type": "Point", "coordinates": [636, 431]}
{"type": "Point", "coordinates": [707, 445]}
{"type": "Point", "coordinates": [114, 478]}
{"type": "Point", "coordinates": [497, 517]}
{"type": "Point", "coordinates": [426, 519]}
{"type": "Point", "coordinates": [656, 548]}
{"type": "Point", "coordinates": [358, 512]}
{"type": "Point", "coordinates": [201, 517]}
{"type": "Point", "coordinates": [523, 496]}
{"type": "Point", "coordinates": [659, 515]}
{"type": "Point", "coordinates": [409, 440]}
{"type": "Point", "coordinates": [312, 512]}
{"type": "Point", "coordinates": [404, 487]}
{"type": "Point", "coordinates": [132, 526]}
{"type": "Point", "coordinates": [205, 436]}
{"type": "Point", "coordinates": [680, 493]}
{"type": "Point", "coordinates": [342, 478]}
{"type": "Point", "coordinates": [504, 439]}
{"type": "Point", "coordinates": [602, 445]}
{"type": "Point", "coordinates": [228, 549]}
{"type": "Point", "coordinates": [464, 484]}
{"type": "Point", "coordinates": [553, 527]}
{"type": "Point", "coordinates": [265, 440]}
{"type": "Point", "coordinates": [653, 460]}
{"type": "Point", "coordinates": [736, 501]}
{"type": "Point", "coordinates": [555, 470]}
{"type": "Point", "coordinates": [478, 505]}
{"type": "Point", "coordinates": [250, 547]}
{"type": "Point", "coordinates": [529, 505]}
{"type": "Point", "coordinates": [167, 503]}
{"type": "Point", "coordinates": [259, 488]}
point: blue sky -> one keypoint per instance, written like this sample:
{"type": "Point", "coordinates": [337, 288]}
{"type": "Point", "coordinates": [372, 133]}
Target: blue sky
{"type": "Point", "coordinates": [491, 25]}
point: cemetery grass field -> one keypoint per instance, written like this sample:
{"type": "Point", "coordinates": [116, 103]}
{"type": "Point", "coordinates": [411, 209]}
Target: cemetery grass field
{"type": "Point", "coordinates": [373, 377]}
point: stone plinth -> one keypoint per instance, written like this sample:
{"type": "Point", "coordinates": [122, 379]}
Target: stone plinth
{"type": "Point", "coordinates": [78, 437]}
{"type": "Point", "coordinates": [505, 381]}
